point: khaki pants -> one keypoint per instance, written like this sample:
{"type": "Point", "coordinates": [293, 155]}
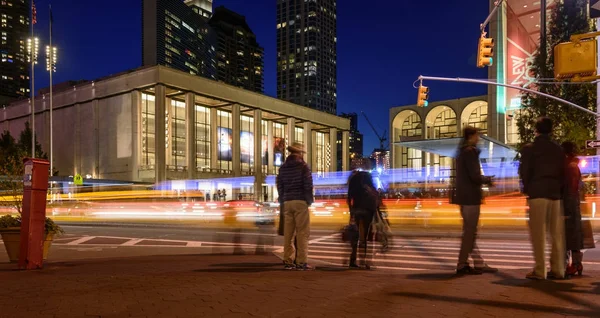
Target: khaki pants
{"type": "Point", "coordinates": [547, 216]}
{"type": "Point", "coordinates": [297, 223]}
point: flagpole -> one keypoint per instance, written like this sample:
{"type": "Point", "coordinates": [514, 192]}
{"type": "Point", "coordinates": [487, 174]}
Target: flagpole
{"type": "Point", "coordinates": [32, 22]}
{"type": "Point", "coordinates": [51, 69]}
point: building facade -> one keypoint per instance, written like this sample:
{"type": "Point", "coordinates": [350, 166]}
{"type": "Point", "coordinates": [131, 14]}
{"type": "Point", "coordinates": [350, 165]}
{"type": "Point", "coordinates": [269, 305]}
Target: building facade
{"type": "Point", "coordinates": [240, 59]}
{"type": "Point", "coordinates": [14, 68]}
{"type": "Point", "coordinates": [177, 35]}
{"type": "Point", "coordinates": [155, 124]}
{"type": "Point", "coordinates": [307, 53]}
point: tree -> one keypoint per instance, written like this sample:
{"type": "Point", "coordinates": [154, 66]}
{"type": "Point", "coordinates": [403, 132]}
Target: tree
{"type": "Point", "coordinates": [12, 154]}
{"type": "Point", "coordinates": [567, 18]}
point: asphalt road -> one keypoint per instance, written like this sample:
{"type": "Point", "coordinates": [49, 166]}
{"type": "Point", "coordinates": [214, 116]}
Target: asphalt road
{"type": "Point", "coordinates": [412, 249]}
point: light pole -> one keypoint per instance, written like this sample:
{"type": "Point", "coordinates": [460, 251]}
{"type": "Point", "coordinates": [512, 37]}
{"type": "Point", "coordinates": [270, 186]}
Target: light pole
{"type": "Point", "coordinates": [51, 67]}
{"type": "Point", "coordinates": [33, 46]}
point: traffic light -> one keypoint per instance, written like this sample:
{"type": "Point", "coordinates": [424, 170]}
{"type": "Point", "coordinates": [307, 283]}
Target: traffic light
{"type": "Point", "coordinates": [423, 96]}
{"type": "Point", "coordinates": [485, 51]}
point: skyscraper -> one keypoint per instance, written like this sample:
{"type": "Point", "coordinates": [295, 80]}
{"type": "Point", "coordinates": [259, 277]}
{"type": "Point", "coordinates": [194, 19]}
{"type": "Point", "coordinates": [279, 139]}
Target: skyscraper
{"type": "Point", "coordinates": [187, 36]}
{"type": "Point", "coordinates": [355, 139]}
{"type": "Point", "coordinates": [239, 56]}
{"type": "Point", "coordinates": [306, 53]}
{"type": "Point", "coordinates": [177, 35]}
{"type": "Point", "coordinates": [14, 30]}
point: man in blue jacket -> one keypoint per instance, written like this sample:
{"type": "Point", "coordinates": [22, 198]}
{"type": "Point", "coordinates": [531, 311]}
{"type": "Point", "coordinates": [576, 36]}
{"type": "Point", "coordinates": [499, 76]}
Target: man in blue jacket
{"type": "Point", "coordinates": [295, 187]}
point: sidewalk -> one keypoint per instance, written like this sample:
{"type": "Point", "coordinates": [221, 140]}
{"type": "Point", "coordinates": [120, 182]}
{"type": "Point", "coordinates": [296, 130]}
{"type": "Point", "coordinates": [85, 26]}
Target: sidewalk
{"type": "Point", "coordinates": [256, 286]}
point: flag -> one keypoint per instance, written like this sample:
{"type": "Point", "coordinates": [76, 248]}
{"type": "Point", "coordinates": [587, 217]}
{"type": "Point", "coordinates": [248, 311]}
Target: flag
{"type": "Point", "coordinates": [33, 13]}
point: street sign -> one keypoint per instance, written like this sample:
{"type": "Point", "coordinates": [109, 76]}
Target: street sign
{"type": "Point", "coordinates": [592, 144]}
{"type": "Point", "coordinates": [594, 9]}
{"type": "Point", "coordinates": [78, 179]}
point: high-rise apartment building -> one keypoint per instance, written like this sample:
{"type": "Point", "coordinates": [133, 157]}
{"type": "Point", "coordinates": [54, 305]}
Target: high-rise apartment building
{"type": "Point", "coordinates": [176, 34]}
{"type": "Point", "coordinates": [14, 70]}
{"type": "Point", "coordinates": [240, 59]}
{"type": "Point", "coordinates": [188, 36]}
{"type": "Point", "coordinates": [306, 53]}
{"type": "Point", "coordinates": [355, 144]}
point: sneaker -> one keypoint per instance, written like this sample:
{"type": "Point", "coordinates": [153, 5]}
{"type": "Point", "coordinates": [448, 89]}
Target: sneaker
{"type": "Point", "coordinates": [534, 276]}
{"type": "Point", "coordinates": [304, 267]}
{"type": "Point", "coordinates": [353, 266]}
{"type": "Point", "coordinates": [289, 267]}
{"type": "Point", "coordinates": [487, 269]}
{"type": "Point", "coordinates": [468, 270]}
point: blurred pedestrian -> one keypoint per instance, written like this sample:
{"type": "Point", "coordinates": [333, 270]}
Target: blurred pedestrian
{"type": "Point", "coordinates": [469, 197]}
{"type": "Point", "coordinates": [572, 210]}
{"type": "Point", "coordinates": [295, 187]}
{"type": "Point", "coordinates": [542, 172]}
{"type": "Point", "coordinates": [363, 201]}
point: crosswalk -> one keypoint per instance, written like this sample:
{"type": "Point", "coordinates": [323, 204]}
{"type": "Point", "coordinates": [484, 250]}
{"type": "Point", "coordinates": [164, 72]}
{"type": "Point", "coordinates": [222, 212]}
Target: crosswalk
{"type": "Point", "coordinates": [414, 254]}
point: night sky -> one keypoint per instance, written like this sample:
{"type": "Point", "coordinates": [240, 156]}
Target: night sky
{"type": "Point", "coordinates": [383, 46]}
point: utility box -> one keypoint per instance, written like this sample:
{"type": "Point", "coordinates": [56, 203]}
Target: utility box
{"type": "Point", "coordinates": [33, 215]}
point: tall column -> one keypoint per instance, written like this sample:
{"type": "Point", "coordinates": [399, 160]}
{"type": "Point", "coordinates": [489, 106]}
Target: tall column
{"type": "Point", "coordinates": [345, 152]}
{"type": "Point", "coordinates": [235, 144]}
{"type": "Point", "coordinates": [136, 115]}
{"type": "Point", "coordinates": [190, 138]}
{"type": "Point", "coordinates": [270, 155]}
{"type": "Point", "coordinates": [308, 143]}
{"type": "Point", "coordinates": [333, 148]}
{"type": "Point", "coordinates": [160, 169]}
{"type": "Point", "coordinates": [258, 174]}
{"type": "Point", "coordinates": [214, 140]}
{"type": "Point", "coordinates": [291, 131]}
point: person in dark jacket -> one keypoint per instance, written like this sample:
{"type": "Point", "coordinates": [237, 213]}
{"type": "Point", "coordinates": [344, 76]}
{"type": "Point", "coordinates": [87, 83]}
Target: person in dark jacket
{"type": "Point", "coordinates": [542, 170]}
{"type": "Point", "coordinates": [363, 201]}
{"type": "Point", "coordinates": [572, 210]}
{"type": "Point", "coordinates": [469, 196]}
{"type": "Point", "coordinates": [295, 187]}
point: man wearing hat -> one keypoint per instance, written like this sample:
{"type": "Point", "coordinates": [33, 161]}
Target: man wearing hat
{"type": "Point", "coordinates": [295, 187]}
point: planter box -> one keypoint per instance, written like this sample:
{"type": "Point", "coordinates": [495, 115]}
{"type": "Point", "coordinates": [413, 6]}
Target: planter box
{"type": "Point", "coordinates": [12, 243]}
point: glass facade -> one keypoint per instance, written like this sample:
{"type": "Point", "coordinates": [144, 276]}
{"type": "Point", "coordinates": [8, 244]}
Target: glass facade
{"type": "Point", "coordinates": [148, 130]}
{"type": "Point", "coordinates": [177, 150]}
{"type": "Point", "coordinates": [202, 138]}
{"type": "Point", "coordinates": [225, 140]}
{"type": "Point", "coordinates": [247, 143]}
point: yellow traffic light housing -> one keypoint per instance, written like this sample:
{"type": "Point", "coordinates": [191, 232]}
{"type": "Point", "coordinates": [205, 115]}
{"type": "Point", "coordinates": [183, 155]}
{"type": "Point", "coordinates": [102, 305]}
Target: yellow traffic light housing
{"type": "Point", "coordinates": [576, 60]}
{"type": "Point", "coordinates": [485, 51]}
{"type": "Point", "coordinates": [423, 96]}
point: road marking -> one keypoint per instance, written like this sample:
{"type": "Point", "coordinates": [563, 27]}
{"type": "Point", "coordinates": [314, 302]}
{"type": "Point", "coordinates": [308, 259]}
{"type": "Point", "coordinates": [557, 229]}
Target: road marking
{"type": "Point", "coordinates": [323, 238]}
{"type": "Point", "coordinates": [247, 233]}
{"type": "Point", "coordinates": [132, 242]}
{"type": "Point", "coordinates": [194, 244]}
{"type": "Point", "coordinates": [81, 240]}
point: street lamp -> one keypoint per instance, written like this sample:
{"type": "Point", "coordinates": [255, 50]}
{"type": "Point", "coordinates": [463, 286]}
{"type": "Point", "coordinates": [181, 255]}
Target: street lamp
{"type": "Point", "coordinates": [33, 47]}
{"type": "Point", "coordinates": [51, 68]}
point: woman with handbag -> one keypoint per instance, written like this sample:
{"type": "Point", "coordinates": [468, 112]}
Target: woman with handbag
{"type": "Point", "coordinates": [572, 210]}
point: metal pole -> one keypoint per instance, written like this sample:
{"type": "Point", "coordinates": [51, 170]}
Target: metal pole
{"type": "Point", "coordinates": [32, 85]}
{"type": "Point", "coordinates": [598, 116]}
{"type": "Point", "coordinates": [51, 69]}
{"type": "Point", "coordinates": [543, 43]}
{"type": "Point", "coordinates": [471, 80]}
{"type": "Point", "coordinates": [489, 17]}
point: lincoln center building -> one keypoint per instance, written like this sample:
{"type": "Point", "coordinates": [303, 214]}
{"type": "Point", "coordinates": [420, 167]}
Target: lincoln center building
{"type": "Point", "coordinates": [156, 123]}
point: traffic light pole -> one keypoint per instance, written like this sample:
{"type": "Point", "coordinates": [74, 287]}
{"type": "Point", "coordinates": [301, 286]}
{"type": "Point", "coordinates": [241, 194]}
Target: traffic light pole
{"type": "Point", "coordinates": [489, 17]}
{"type": "Point", "coordinates": [477, 81]}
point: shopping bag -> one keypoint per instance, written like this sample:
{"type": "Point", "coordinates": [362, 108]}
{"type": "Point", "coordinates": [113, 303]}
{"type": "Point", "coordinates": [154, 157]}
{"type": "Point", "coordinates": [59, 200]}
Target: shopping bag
{"type": "Point", "coordinates": [588, 234]}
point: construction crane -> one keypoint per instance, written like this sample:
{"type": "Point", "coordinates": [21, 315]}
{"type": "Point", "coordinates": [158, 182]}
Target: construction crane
{"type": "Point", "coordinates": [382, 138]}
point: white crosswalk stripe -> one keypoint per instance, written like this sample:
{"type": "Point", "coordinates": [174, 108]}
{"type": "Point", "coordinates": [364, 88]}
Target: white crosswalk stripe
{"type": "Point", "coordinates": [412, 254]}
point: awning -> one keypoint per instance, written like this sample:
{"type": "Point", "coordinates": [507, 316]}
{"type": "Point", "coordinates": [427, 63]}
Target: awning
{"type": "Point", "coordinates": [491, 149]}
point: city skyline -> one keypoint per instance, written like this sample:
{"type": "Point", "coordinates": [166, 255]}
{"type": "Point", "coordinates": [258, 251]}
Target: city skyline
{"type": "Point", "coordinates": [376, 56]}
